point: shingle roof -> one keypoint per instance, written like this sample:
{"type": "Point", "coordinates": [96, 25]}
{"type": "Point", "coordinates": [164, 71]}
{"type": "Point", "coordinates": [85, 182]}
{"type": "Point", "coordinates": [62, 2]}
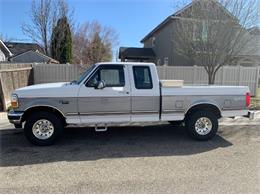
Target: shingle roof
{"type": "Point", "coordinates": [18, 48]}
{"type": "Point", "coordinates": [43, 57]}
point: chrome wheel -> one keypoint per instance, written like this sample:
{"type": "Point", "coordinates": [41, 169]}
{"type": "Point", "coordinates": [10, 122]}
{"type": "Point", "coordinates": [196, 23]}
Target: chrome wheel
{"type": "Point", "coordinates": [203, 126]}
{"type": "Point", "coordinates": [43, 129]}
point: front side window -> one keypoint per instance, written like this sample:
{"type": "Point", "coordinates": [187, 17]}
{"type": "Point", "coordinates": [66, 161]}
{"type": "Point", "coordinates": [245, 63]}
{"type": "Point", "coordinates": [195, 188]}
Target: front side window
{"type": "Point", "coordinates": [113, 76]}
{"type": "Point", "coordinates": [142, 77]}
{"type": "Point", "coordinates": [85, 74]}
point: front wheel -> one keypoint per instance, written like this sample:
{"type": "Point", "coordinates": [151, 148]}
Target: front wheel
{"type": "Point", "coordinates": [43, 128]}
{"type": "Point", "coordinates": [202, 125]}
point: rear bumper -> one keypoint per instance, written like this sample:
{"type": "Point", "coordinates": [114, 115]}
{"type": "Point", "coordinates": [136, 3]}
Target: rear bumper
{"type": "Point", "coordinates": [15, 117]}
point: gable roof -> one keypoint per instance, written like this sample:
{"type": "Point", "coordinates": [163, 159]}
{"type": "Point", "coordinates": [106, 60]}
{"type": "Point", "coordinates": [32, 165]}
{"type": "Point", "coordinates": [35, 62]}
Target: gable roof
{"type": "Point", "coordinates": [18, 48]}
{"type": "Point", "coordinates": [171, 17]}
{"type": "Point", "coordinates": [42, 57]}
{"type": "Point", "coordinates": [4, 49]}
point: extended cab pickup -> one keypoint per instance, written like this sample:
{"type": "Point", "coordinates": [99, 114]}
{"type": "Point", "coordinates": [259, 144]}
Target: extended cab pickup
{"type": "Point", "coordinates": [121, 93]}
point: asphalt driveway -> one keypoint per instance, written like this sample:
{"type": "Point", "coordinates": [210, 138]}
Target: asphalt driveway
{"type": "Point", "coordinates": [152, 159]}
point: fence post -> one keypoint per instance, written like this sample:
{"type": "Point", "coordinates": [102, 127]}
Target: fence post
{"type": "Point", "coordinates": [257, 79]}
{"type": "Point", "coordinates": [239, 75]}
{"type": "Point", "coordinates": [164, 72]}
{"type": "Point", "coordinates": [222, 76]}
{"type": "Point", "coordinates": [194, 74]}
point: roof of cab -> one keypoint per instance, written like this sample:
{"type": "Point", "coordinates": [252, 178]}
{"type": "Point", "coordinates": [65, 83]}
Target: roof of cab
{"type": "Point", "coordinates": [125, 63]}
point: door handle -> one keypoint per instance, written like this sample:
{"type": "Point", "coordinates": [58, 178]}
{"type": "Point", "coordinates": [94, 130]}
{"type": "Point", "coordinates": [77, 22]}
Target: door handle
{"type": "Point", "coordinates": [64, 102]}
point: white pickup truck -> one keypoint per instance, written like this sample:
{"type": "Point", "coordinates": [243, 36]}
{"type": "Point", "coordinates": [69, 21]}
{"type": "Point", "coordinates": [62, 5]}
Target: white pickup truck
{"type": "Point", "coordinates": [121, 93]}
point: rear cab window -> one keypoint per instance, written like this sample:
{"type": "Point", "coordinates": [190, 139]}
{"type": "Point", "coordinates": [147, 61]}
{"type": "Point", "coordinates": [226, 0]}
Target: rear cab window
{"type": "Point", "coordinates": [142, 77]}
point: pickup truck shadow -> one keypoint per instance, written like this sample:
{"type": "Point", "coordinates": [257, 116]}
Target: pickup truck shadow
{"type": "Point", "coordinates": [83, 144]}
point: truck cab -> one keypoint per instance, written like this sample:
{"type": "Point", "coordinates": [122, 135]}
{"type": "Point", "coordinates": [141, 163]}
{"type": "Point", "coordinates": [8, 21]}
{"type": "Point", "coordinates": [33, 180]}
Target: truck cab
{"type": "Point", "coordinates": [120, 93]}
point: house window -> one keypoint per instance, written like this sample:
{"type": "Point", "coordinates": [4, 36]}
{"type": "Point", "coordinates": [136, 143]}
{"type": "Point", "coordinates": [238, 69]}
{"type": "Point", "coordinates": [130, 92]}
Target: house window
{"type": "Point", "coordinates": [166, 61]}
{"type": "Point", "coordinates": [200, 31]}
{"type": "Point", "coordinates": [195, 32]}
{"type": "Point", "coordinates": [153, 41]}
{"type": "Point", "coordinates": [204, 34]}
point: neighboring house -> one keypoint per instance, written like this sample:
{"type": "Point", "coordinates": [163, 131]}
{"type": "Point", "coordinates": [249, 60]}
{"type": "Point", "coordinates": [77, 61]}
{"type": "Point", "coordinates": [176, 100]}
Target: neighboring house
{"type": "Point", "coordinates": [18, 47]}
{"type": "Point", "coordinates": [27, 53]}
{"type": "Point", "coordinates": [162, 41]}
{"type": "Point", "coordinates": [5, 53]}
{"type": "Point", "coordinates": [32, 57]}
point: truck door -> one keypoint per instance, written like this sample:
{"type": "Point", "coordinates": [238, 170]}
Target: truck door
{"type": "Point", "coordinates": [145, 93]}
{"type": "Point", "coordinates": [108, 103]}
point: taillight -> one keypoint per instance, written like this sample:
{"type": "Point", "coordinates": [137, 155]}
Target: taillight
{"type": "Point", "coordinates": [247, 99]}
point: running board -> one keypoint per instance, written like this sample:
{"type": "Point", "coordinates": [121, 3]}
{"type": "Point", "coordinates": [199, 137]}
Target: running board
{"type": "Point", "coordinates": [101, 127]}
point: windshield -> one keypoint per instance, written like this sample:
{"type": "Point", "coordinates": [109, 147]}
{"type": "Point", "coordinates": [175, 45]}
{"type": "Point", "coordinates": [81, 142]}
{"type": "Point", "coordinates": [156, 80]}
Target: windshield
{"type": "Point", "coordinates": [86, 73]}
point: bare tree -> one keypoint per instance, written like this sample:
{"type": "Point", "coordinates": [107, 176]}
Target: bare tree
{"type": "Point", "coordinates": [213, 32]}
{"type": "Point", "coordinates": [44, 15]}
{"type": "Point", "coordinates": [5, 38]}
{"type": "Point", "coordinates": [93, 42]}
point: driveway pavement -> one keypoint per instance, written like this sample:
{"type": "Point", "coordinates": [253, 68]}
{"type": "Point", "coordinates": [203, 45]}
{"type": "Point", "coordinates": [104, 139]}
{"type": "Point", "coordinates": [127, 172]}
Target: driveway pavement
{"type": "Point", "coordinates": [151, 159]}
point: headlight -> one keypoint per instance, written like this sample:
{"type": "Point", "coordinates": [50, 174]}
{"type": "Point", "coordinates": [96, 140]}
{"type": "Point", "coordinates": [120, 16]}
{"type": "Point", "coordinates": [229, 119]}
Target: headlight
{"type": "Point", "coordinates": [14, 101]}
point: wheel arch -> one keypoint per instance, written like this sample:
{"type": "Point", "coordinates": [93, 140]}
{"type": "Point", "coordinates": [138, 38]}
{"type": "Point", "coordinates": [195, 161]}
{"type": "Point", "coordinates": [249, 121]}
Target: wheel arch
{"type": "Point", "coordinates": [206, 107]}
{"type": "Point", "coordinates": [43, 108]}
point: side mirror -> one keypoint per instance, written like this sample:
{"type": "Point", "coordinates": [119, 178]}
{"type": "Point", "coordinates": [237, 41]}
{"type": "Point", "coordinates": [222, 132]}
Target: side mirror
{"type": "Point", "coordinates": [100, 85]}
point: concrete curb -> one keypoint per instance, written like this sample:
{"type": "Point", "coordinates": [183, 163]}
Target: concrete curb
{"type": "Point", "coordinates": [3, 115]}
{"type": "Point", "coordinates": [257, 114]}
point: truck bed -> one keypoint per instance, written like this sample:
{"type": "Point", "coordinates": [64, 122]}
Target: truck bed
{"type": "Point", "coordinates": [230, 100]}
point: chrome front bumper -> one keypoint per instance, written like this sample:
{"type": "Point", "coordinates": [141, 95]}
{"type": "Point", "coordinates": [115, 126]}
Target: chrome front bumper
{"type": "Point", "coordinates": [15, 117]}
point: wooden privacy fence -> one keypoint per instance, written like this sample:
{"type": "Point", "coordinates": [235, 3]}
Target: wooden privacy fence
{"type": "Point", "coordinates": [192, 75]}
{"type": "Point", "coordinates": [49, 73]}
{"type": "Point", "coordinates": [226, 75]}
{"type": "Point", "coordinates": [13, 76]}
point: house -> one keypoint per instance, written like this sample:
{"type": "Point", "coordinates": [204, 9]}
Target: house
{"type": "Point", "coordinates": [164, 37]}
{"type": "Point", "coordinates": [5, 53]}
{"type": "Point", "coordinates": [26, 53]}
{"type": "Point", "coordinates": [32, 57]}
{"type": "Point", "coordinates": [250, 55]}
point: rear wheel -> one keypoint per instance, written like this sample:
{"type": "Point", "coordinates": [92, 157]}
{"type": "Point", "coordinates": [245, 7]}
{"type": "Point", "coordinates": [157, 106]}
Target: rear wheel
{"type": "Point", "coordinates": [43, 128]}
{"type": "Point", "coordinates": [202, 125]}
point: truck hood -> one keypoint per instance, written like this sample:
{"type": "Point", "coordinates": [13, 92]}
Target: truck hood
{"type": "Point", "coordinates": [61, 89]}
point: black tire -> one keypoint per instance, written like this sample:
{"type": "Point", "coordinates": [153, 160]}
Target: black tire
{"type": "Point", "coordinates": [55, 121]}
{"type": "Point", "coordinates": [194, 117]}
{"type": "Point", "coordinates": [176, 123]}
